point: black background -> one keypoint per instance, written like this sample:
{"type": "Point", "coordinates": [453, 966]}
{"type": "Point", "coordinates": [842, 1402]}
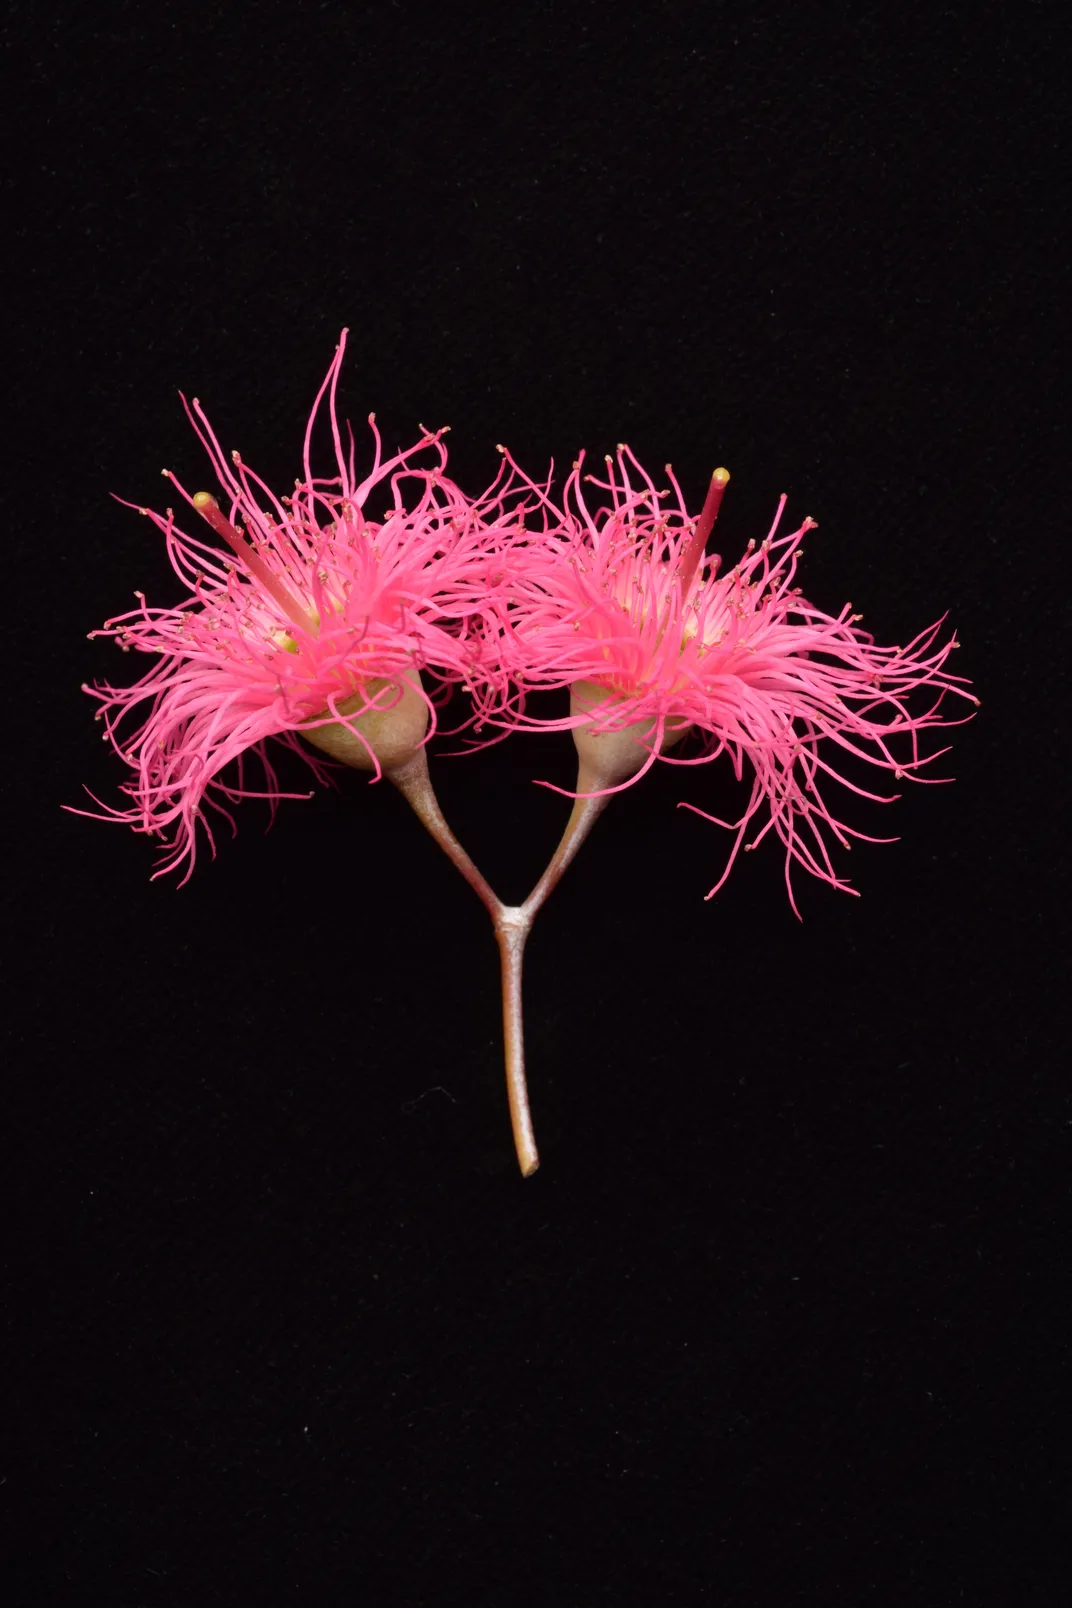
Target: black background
{"type": "Point", "coordinates": [780, 1319]}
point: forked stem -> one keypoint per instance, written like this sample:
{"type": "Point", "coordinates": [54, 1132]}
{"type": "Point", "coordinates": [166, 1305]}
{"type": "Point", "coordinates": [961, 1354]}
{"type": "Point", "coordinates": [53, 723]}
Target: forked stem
{"type": "Point", "coordinates": [414, 783]}
{"type": "Point", "coordinates": [512, 923]}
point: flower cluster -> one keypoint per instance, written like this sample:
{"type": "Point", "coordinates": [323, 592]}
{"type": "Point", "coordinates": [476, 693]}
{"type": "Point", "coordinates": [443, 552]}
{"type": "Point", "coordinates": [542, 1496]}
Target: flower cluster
{"type": "Point", "coordinates": [333, 620]}
{"type": "Point", "coordinates": [620, 604]}
{"type": "Point", "coordinates": [316, 621]}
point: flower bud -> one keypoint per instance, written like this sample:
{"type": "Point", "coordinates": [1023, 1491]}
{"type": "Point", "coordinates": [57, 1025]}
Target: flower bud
{"type": "Point", "coordinates": [608, 758]}
{"type": "Point", "coordinates": [392, 729]}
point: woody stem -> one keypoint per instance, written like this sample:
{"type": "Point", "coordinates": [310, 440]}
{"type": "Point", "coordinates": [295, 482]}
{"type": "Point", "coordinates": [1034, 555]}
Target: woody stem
{"type": "Point", "coordinates": [512, 923]}
{"type": "Point", "coordinates": [414, 783]}
{"type": "Point", "coordinates": [583, 816]}
{"type": "Point", "coordinates": [511, 931]}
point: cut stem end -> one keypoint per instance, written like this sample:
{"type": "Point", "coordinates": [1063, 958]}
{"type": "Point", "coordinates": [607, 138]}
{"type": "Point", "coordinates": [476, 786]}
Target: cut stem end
{"type": "Point", "coordinates": [512, 927]}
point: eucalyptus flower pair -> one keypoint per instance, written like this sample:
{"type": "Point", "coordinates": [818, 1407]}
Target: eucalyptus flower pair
{"type": "Point", "coordinates": [341, 634]}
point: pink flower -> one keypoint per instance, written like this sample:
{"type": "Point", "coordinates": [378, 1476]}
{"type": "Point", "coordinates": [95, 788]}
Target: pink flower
{"type": "Point", "coordinates": [312, 615]}
{"type": "Point", "coordinates": [620, 605]}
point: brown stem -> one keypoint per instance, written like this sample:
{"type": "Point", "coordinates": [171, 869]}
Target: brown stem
{"type": "Point", "coordinates": [414, 783]}
{"type": "Point", "coordinates": [511, 930]}
{"type": "Point", "coordinates": [512, 923]}
{"type": "Point", "coordinates": [583, 816]}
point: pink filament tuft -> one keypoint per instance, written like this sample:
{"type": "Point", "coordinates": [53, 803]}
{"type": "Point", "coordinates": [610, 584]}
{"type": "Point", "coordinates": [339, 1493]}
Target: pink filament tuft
{"type": "Point", "coordinates": [319, 601]}
{"type": "Point", "coordinates": [618, 596]}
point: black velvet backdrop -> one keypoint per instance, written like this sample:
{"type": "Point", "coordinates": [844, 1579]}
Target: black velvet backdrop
{"type": "Point", "coordinates": [781, 1319]}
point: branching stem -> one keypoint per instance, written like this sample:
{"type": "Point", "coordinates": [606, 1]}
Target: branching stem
{"type": "Point", "coordinates": [512, 923]}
